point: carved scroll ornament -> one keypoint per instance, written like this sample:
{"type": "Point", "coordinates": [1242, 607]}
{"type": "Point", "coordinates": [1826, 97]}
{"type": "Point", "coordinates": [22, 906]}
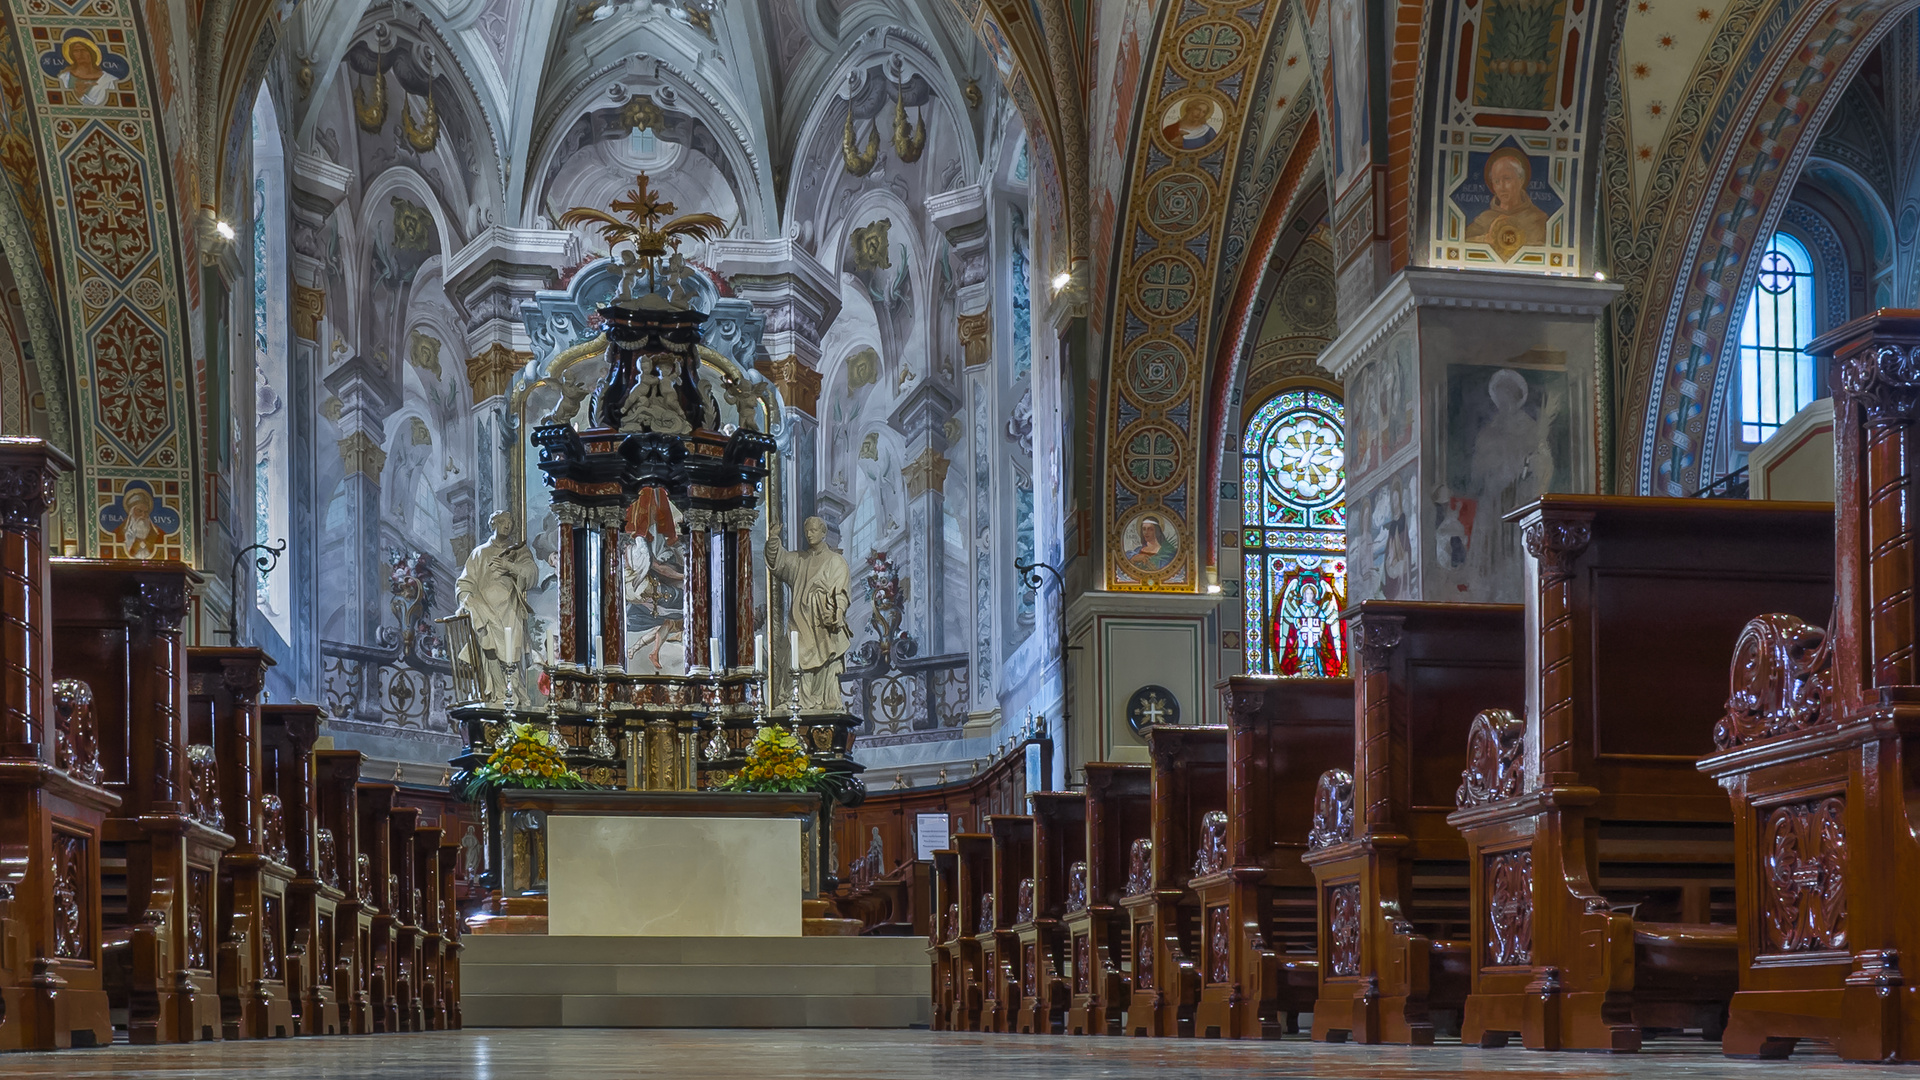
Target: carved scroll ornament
{"type": "Point", "coordinates": [1781, 680]}
{"type": "Point", "coordinates": [203, 786]}
{"type": "Point", "coordinates": [1332, 810]}
{"type": "Point", "coordinates": [1140, 867]}
{"type": "Point", "coordinates": [1077, 887]}
{"type": "Point", "coordinates": [27, 491]}
{"type": "Point", "coordinates": [984, 924]}
{"type": "Point", "coordinates": [1803, 877]}
{"type": "Point", "coordinates": [1343, 929]}
{"type": "Point", "coordinates": [1556, 542]}
{"type": "Point", "coordinates": [1495, 771]}
{"type": "Point", "coordinates": [1212, 856]}
{"type": "Point", "coordinates": [1023, 902]}
{"type": "Point", "coordinates": [325, 868]}
{"type": "Point", "coordinates": [1884, 381]}
{"type": "Point", "coordinates": [273, 827]}
{"type": "Point", "coordinates": [1143, 956]}
{"type": "Point", "coordinates": [76, 747]}
{"type": "Point", "coordinates": [71, 927]}
{"type": "Point", "coordinates": [1082, 964]}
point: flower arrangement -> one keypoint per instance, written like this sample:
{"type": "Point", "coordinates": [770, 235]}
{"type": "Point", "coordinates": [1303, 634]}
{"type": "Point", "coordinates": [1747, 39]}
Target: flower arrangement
{"type": "Point", "coordinates": [527, 759]}
{"type": "Point", "coordinates": [777, 761]}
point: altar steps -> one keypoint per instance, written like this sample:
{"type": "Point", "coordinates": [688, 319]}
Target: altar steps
{"type": "Point", "coordinates": [797, 982]}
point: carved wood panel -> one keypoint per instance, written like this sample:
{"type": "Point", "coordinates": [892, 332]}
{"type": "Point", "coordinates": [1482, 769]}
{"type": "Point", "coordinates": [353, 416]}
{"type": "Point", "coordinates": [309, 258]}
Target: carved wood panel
{"type": "Point", "coordinates": [1510, 907]}
{"type": "Point", "coordinates": [1343, 929]}
{"type": "Point", "coordinates": [72, 902]}
{"type": "Point", "coordinates": [1143, 955]}
{"type": "Point", "coordinates": [199, 919]}
{"type": "Point", "coordinates": [1082, 964]}
{"type": "Point", "coordinates": [1802, 877]}
{"type": "Point", "coordinates": [1219, 945]}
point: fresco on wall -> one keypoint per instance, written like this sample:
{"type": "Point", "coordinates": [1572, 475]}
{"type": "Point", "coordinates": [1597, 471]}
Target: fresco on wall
{"type": "Point", "coordinates": [1509, 441]}
{"type": "Point", "coordinates": [1508, 152]}
{"type": "Point", "coordinates": [138, 521]}
{"type": "Point", "coordinates": [1382, 397]}
{"type": "Point", "coordinates": [1383, 538]}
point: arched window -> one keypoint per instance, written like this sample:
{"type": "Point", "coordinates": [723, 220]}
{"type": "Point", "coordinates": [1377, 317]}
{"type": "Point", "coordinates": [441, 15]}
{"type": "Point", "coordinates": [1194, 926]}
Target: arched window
{"type": "Point", "coordinates": [1777, 377]}
{"type": "Point", "coordinates": [1294, 483]}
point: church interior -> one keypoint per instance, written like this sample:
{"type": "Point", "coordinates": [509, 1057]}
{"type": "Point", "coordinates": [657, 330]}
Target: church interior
{"type": "Point", "coordinates": [934, 537]}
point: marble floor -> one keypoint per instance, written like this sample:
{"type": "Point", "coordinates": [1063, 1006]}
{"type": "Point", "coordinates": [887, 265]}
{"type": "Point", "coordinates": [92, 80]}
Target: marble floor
{"type": "Point", "coordinates": [588, 1054]}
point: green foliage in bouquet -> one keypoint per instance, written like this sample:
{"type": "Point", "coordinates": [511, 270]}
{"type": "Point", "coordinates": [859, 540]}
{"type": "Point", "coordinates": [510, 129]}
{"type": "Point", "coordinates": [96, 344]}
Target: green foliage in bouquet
{"type": "Point", "coordinates": [776, 761]}
{"type": "Point", "coordinates": [528, 759]}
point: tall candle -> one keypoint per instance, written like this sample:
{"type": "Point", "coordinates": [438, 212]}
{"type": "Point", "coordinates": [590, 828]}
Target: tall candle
{"type": "Point", "coordinates": [760, 651]}
{"type": "Point", "coordinates": [716, 659]}
{"type": "Point", "coordinates": [599, 651]}
{"type": "Point", "coordinates": [793, 648]}
{"type": "Point", "coordinates": [512, 657]}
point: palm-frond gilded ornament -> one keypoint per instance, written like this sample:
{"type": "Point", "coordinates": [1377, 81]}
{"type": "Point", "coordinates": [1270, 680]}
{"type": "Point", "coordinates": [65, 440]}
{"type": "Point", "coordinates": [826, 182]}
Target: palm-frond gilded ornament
{"type": "Point", "coordinates": [639, 224]}
{"type": "Point", "coordinates": [909, 141]}
{"type": "Point", "coordinates": [859, 162]}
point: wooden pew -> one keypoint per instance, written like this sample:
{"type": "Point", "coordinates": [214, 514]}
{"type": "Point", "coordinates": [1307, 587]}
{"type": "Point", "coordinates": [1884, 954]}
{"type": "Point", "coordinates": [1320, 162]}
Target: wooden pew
{"type": "Point", "coordinates": [403, 902]}
{"type": "Point", "coordinates": [1012, 884]}
{"type": "Point", "coordinates": [452, 861]}
{"type": "Point", "coordinates": [1258, 943]}
{"type": "Point", "coordinates": [972, 914]}
{"type": "Point", "coordinates": [1392, 874]}
{"type": "Point", "coordinates": [377, 885]}
{"type": "Point", "coordinates": [223, 719]}
{"type": "Point", "coordinates": [290, 818]}
{"type": "Point", "coordinates": [338, 864]}
{"type": "Point", "coordinates": [55, 792]}
{"type": "Point", "coordinates": [1600, 858]}
{"type": "Point", "coordinates": [943, 947]}
{"type": "Point", "coordinates": [116, 627]}
{"type": "Point", "coordinates": [1815, 749]}
{"type": "Point", "coordinates": [1119, 812]}
{"type": "Point", "coordinates": [1059, 842]}
{"type": "Point", "coordinates": [1189, 770]}
{"type": "Point", "coordinates": [426, 917]}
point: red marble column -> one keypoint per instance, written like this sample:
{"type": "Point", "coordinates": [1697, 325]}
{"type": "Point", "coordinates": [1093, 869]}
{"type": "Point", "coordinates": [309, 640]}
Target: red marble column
{"type": "Point", "coordinates": [699, 584]}
{"type": "Point", "coordinates": [743, 590]}
{"type": "Point", "coordinates": [613, 604]}
{"type": "Point", "coordinates": [569, 576]}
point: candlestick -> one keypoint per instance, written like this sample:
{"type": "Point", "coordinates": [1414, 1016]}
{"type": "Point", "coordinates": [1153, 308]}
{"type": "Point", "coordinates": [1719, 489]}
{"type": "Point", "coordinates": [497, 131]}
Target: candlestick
{"type": "Point", "coordinates": [793, 649]}
{"type": "Point", "coordinates": [715, 658]}
{"type": "Point", "coordinates": [759, 651]}
{"type": "Point", "coordinates": [599, 652]}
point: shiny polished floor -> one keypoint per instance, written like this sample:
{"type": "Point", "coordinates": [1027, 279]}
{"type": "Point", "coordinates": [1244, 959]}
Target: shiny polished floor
{"type": "Point", "coordinates": [590, 1054]}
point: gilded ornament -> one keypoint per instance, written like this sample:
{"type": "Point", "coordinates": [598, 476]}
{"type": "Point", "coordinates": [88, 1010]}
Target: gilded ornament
{"type": "Point", "coordinates": [859, 162]}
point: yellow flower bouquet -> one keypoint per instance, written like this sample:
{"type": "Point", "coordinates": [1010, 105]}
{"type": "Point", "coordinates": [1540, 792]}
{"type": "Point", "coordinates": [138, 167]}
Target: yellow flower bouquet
{"type": "Point", "coordinates": [527, 759]}
{"type": "Point", "coordinates": [777, 761]}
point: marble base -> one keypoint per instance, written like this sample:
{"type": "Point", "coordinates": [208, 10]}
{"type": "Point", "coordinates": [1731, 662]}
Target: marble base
{"type": "Point", "coordinates": [635, 876]}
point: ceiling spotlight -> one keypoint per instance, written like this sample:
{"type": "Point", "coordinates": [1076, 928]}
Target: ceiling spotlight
{"type": "Point", "coordinates": [225, 230]}
{"type": "Point", "coordinates": [1061, 280]}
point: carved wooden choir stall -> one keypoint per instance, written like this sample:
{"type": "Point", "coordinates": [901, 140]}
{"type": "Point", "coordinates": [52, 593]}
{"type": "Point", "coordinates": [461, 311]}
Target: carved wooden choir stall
{"type": "Point", "coordinates": [172, 849]}
{"type": "Point", "coordinates": [1505, 825]}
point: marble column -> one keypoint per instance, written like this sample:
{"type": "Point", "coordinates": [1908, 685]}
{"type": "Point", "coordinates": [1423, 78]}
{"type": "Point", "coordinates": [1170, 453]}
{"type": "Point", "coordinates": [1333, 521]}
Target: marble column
{"type": "Point", "coordinates": [488, 280]}
{"type": "Point", "coordinates": [798, 299]}
{"type": "Point", "coordinates": [739, 524]}
{"type": "Point", "coordinates": [922, 417]}
{"type": "Point", "coordinates": [319, 186]}
{"type": "Point", "coordinates": [367, 396]}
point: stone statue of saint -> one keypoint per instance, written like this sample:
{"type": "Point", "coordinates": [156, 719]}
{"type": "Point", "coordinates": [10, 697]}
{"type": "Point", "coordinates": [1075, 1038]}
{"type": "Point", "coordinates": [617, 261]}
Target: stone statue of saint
{"type": "Point", "coordinates": [492, 591]}
{"type": "Point", "coordinates": [822, 590]}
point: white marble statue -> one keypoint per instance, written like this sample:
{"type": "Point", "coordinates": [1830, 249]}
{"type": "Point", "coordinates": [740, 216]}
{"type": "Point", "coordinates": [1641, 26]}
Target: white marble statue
{"type": "Point", "coordinates": [822, 590]}
{"type": "Point", "coordinates": [492, 591]}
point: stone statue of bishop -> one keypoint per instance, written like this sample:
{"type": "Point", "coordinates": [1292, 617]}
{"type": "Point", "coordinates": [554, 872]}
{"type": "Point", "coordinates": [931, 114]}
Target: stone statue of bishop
{"type": "Point", "coordinates": [816, 613]}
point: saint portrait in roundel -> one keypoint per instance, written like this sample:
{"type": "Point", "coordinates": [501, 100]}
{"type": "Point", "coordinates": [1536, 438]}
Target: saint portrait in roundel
{"type": "Point", "coordinates": [85, 68]}
{"type": "Point", "coordinates": [139, 522]}
{"type": "Point", "coordinates": [1149, 545]}
{"type": "Point", "coordinates": [1191, 122]}
{"type": "Point", "coordinates": [1511, 221]}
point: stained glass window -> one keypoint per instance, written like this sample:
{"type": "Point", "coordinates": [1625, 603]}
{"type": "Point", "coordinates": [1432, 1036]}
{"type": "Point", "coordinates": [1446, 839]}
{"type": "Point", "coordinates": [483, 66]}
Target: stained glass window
{"type": "Point", "coordinates": [1294, 487]}
{"type": "Point", "coordinates": [1776, 374]}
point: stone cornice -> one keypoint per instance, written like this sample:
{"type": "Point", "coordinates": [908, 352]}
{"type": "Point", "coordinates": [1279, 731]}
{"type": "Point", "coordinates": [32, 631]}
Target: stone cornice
{"type": "Point", "coordinates": [1480, 290]}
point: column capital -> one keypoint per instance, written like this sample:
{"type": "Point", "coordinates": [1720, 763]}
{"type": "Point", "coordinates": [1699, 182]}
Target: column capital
{"type": "Point", "coordinates": [798, 383]}
{"type": "Point", "coordinates": [491, 371]}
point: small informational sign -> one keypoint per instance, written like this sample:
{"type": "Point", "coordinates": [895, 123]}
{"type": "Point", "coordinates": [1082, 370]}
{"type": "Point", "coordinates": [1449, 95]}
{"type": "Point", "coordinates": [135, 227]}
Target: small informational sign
{"type": "Point", "coordinates": [931, 834]}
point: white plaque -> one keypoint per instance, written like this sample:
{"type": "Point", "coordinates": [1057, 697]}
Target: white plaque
{"type": "Point", "coordinates": [930, 834]}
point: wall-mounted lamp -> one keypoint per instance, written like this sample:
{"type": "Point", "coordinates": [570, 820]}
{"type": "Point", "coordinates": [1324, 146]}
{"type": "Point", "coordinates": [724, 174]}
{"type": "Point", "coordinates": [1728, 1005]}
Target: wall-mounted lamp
{"type": "Point", "coordinates": [1061, 280]}
{"type": "Point", "coordinates": [225, 230]}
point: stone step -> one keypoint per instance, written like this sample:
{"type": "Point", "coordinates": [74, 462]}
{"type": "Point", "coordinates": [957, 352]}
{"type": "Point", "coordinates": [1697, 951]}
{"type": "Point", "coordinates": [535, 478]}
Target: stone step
{"type": "Point", "coordinates": [534, 981]}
